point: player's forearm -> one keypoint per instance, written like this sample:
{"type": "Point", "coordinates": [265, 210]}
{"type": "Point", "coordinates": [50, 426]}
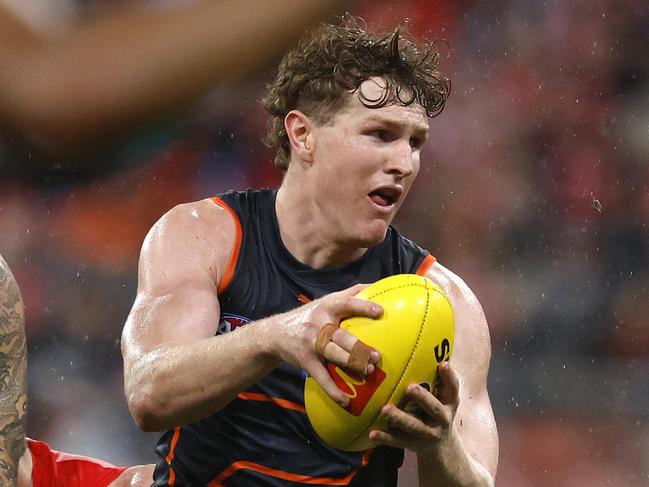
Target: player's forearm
{"type": "Point", "coordinates": [13, 377]}
{"type": "Point", "coordinates": [178, 383]}
{"type": "Point", "coordinates": [138, 64]}
{"type": "Point", "coordinates": [452, 466]}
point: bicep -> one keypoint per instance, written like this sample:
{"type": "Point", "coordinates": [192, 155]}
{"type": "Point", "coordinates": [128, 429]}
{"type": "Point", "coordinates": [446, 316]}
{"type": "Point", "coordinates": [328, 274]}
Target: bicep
{"type": "Point", "coordinates": [186, 314]}
{"type": "Point", "coordinates": [177, 284]}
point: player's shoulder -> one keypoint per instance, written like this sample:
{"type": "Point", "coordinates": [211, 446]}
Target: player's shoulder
{"type": "Point", "coordinates": [453, 285]}
{"type": "Point", "coordinates": [194, 219]}
{"type": "Point", "coordinates": [470, 321]}
{"type": "Point", "coordinates": [202, 213]}
{"type": "Point", "coordinates": [202, 227]}
{"type": "Point", "coordinates": [464, 301]}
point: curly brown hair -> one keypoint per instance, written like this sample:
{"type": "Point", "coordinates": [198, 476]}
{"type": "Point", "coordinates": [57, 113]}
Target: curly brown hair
{"type": "Point", "coordinates": [319, 75]}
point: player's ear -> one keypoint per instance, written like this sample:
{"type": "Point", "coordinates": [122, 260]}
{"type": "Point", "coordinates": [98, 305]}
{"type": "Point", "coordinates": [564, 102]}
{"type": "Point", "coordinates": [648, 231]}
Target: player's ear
{"type": "Point", "coordinates": [299, 130]}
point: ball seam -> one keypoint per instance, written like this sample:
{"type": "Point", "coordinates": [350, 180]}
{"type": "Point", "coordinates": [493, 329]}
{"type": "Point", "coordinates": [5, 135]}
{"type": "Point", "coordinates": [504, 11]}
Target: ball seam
{"type": "Point", "coordinates": [416, 284]}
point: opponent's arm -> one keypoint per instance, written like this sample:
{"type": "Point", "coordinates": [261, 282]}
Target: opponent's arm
{"type": "Point", "coordinates": [114, 73]}
{"type": "Point", "coordinates": [13, 376]}
{"type": "Point", "coordinates": [455, 437]}
{"type": "Point", "coordinates": [175, 369]}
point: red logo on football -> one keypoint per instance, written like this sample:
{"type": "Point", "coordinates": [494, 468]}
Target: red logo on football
{"type": "Point", "coordinates": [359, 389]}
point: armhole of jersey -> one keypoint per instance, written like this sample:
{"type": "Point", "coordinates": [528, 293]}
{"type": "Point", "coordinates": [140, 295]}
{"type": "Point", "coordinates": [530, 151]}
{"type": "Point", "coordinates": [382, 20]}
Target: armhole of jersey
{"type": "Point", "coordinates": [426, 264]}
{"type": "Point", "coordinates": [236, 248]}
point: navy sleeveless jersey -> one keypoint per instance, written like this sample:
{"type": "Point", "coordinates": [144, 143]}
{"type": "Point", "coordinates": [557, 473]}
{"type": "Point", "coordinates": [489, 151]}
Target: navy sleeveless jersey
{"type": "Point", "coordinates": [263, 437]}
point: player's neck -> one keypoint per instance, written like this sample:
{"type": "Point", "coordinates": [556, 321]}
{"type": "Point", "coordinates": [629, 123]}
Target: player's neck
{"type": "Point", "coordinates": [305, 233]}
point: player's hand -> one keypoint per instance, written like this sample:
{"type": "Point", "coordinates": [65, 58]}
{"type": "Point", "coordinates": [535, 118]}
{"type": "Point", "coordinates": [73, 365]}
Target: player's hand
{"type": "Point", "coordinates": [431, 425]}
{"type": "Point", "coordinates": [308, 336]}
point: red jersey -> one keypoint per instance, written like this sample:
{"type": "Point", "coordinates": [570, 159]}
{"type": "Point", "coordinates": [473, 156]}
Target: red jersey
{"type": "Point", "coordinates": [52, 468]}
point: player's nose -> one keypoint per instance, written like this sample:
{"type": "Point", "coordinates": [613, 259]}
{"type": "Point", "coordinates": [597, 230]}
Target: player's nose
{"type": "Point", "coordinates": [401, 161]}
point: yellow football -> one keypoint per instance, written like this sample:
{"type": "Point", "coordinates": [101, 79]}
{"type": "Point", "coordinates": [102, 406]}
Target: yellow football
{"type": "Point", "coordinates": [415, 333]}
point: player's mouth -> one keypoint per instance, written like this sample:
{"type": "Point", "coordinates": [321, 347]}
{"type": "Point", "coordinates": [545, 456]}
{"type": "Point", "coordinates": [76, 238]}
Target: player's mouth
{"type": "Point", "coordinates": [386, 197]}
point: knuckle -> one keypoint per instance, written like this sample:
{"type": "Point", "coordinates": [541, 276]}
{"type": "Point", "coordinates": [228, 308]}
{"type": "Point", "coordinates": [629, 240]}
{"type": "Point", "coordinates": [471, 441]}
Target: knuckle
{"type": "Point", "coordinates": [333, 297]}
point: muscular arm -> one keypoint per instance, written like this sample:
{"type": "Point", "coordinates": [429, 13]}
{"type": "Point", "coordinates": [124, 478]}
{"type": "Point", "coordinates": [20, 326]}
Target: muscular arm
{"type": "Point", "coordinates": [175, 369]}
{"type": "Point", "coordinates": [119, 71]}
{"type": "Point", "coordinates": [469, 456]}
{"type": "Point", "coordinates": [454, 434]}
{"type": "Point", "coordinates": [13, 376]}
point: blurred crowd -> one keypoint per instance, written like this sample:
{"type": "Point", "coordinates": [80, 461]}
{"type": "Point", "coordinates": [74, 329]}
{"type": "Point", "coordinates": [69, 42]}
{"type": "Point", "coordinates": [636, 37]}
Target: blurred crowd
{"type": "Point", "coordinates": [533, 188]}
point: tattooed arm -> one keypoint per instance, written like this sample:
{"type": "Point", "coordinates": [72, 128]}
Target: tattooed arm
{"type": "Point", "coordinates": [13, 376]}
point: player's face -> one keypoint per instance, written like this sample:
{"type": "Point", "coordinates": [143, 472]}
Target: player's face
{"type": "Point", "coordinates": [366, 160]}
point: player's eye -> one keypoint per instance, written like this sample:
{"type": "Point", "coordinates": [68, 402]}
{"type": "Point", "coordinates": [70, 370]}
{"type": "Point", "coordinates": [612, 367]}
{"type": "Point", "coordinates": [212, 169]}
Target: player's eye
{"type": "Point", "coordinates": [382, 135]}
{"type": "Point", "coordinates": [416, 142]}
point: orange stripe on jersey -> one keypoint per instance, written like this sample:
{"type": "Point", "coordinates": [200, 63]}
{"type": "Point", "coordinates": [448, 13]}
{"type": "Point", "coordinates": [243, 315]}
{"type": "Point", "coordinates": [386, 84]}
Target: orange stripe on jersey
{"type": "Point", "coordinates": [280, 474]}
{"type": "Point", "coordinates": [283, 403]}
{"type": "Point", "coordinates": [426, 264]}
{"type": "Point", "coordinates": [304, 299]}
{"type": "Point", "coordinates": [170, 456]}
{"type": "Point", "coordinates": [234, 256]}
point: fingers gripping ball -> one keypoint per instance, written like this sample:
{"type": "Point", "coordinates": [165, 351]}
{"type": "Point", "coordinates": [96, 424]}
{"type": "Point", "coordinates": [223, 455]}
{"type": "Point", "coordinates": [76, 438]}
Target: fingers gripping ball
{"type": "Point", "coordinates": [358, 359]}
{"type": "Point", "coordinates": [414, 335]}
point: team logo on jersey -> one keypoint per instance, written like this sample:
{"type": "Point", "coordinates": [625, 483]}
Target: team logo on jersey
{"type": "Point", "coordinates": [230, 322]}
{"type": "Point", "coordinates": [359, 389]}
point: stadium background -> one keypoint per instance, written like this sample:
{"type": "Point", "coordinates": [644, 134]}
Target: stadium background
{"type": "Point", "coordinates": [533, 188]}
